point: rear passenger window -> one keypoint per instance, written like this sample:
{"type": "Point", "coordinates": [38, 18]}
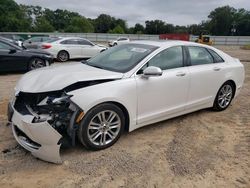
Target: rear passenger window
{"type": "Point", "coordinates": [73, 41]}
{"type": "Point", "coordinates": [84, 42]}
{"type": "Point", "coordinates": [217, 58]}
{"type": "Point", "coordinates": [199, 56]}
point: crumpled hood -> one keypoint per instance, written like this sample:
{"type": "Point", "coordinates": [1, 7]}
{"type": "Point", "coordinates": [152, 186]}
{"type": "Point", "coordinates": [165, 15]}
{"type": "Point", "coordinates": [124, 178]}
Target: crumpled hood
{"type": "Point", "coordinates": [57, 77]}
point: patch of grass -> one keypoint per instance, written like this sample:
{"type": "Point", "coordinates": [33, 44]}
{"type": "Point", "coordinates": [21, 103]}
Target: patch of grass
{"type": "Point", "coordinates": [245, 47]}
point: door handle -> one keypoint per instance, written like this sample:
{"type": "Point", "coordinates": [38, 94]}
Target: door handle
{"type": "Point", "coordinates": [181, 74]}
{"type": "Point", "coordinates": [217, 68]}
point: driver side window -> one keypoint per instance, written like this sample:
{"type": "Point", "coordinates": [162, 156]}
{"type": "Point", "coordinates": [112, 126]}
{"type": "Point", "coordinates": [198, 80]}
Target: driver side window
{"type": "Point", "coordinates": [168, 59]}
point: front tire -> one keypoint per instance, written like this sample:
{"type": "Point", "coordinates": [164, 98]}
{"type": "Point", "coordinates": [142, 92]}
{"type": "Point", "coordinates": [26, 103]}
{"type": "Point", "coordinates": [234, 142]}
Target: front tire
{"type": "Point", "coordinates": [101, 127]}
{"type": "Point", "coordinates": [224, 97]}
{"type": "Point", "coordinates": [36, 63]}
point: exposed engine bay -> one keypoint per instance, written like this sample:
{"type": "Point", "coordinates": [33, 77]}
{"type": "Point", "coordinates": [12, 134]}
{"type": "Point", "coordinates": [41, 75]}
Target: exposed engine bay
{"type": "Point", "coordinates": [53, 107]}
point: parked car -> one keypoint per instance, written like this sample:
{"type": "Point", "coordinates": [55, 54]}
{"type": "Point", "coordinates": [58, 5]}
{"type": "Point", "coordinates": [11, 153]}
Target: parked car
{"type": "Point", "coordinates": [15, 58]}
{"type": "Point", "coordinates": [9, 40]}
{"type": "Point", "coordinates": [121, 40]}
{"type": "Point", "coordinates": [18, 40]}
{"type": "Point", "coordinates": [36, 42]}
{"type": "Point", "coordinates": [124, 88]}
{"type": "Point", "coordinates": [72, 47]}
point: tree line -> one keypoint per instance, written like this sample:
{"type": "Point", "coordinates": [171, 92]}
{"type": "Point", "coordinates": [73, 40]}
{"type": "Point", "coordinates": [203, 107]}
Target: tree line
{"type": "Point", "coordinates": [224, 20]}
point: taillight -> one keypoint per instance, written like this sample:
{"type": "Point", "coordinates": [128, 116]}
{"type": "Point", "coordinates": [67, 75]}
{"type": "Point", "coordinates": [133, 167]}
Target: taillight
{"type": "Point", "coordinates": [46, 46]}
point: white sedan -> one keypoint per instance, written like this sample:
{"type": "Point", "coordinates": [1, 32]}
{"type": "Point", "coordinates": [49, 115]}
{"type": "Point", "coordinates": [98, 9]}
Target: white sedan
{"type": "Point", "coordinates": [123, 88]}
{"type": "Point", "coordinates": [121, 40]}
{"type": "Point", "coordinates": [71, 48]}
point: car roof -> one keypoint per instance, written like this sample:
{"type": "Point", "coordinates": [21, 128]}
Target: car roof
{"type": "Point", "coordinates": [168, 43]}
{"type": "Point", "coordinates": [67, 38]}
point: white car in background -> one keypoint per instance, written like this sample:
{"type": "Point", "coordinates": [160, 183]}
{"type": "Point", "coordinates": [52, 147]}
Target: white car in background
{"type": "Point", "coordinates": [124, 88]}
{"type": "Point", "coordinates": [121, 40]}
{"type": "Point", "coordinates": [71, 48]}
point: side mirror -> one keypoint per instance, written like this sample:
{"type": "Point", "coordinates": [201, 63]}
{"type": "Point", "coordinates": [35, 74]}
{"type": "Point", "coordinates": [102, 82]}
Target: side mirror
{"type": "Point", "coordinates": [152, 72]}
{"type": "Point", "coordinates": [12, 51]}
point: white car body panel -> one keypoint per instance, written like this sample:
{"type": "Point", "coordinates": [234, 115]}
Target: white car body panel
{"type": "Point", "coordinates": [37, 132]}
{"type": "Point", "coordinates": [124, 88]}
{"type": "Point", "coordinates": [61, 76]}
{"type": "Point", "coordinates": [147, 100]}
{"type": "Point", "coordinates": [119, 41]}
{"type": "Point", "coordinates": [156, 100]}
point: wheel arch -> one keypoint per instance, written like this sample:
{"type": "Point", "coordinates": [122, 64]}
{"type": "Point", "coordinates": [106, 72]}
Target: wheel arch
{"type": "Point", "coordinates": [125, 112]}
{"type": "Point", "coordinates": [121, 106]}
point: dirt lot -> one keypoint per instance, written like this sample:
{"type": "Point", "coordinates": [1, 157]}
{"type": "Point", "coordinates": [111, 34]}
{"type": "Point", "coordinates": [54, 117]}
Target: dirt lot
{"type": "Point", "coordinates": [202, 149]}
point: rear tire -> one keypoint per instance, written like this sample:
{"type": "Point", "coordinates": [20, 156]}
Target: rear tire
{"type": "Point", "coordinates": [224, 96]}
{"type": "Point", "coordinates": [101, 127]}
{"type": "Point", "coordinates": [63, 56]}
{"type": "Point", "coordinates": [36, 63]}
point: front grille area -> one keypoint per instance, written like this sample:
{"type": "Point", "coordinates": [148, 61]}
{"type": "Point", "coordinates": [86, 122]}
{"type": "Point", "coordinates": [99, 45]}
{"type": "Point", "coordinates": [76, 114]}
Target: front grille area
{"type": "Point", "coordinates": [31, 99]}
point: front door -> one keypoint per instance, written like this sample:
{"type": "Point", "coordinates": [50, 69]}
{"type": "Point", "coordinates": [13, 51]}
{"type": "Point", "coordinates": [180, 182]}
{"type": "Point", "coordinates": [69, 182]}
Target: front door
{"type": "Point", "coordinates": [166, 95]}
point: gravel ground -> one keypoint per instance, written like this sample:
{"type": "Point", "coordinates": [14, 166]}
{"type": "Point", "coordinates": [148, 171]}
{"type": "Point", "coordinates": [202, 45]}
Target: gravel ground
{"type": "Point", "coordinates": [201, 149]}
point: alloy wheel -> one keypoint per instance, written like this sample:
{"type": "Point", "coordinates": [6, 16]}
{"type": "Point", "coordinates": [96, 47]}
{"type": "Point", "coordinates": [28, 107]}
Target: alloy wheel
{"type": "Point", "coordinates": [36, 63]}
{"type": "Point", "coordinates": [225, 96]}
{"type": "Point", "coordinates": [63, 56]}
{"type": "Point", "coordinates": [104, 127]}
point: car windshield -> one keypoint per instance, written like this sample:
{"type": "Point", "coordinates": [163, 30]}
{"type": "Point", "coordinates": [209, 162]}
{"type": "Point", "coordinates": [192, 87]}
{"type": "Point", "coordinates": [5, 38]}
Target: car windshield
{"type": "Point", "coordinates": [121, 58]}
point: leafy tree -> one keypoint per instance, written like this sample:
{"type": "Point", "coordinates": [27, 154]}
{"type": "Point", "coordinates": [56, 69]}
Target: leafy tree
{"type": "Point", "coordinates": [104, 23]}
{"type": "Point", "coordinates": [242, 22]}
{"type": "Point", "coordinates": [155, 27]}
{"type": "Point", "coordinates": [121, 23]}
{"type": "Point", "coordinates": [80, 25]}
{"type": "Point", "coordinates": [138, 29]}
{"type": "Point", "coordinates": [221, 20]}
{"type": "Point", "coordinates": [169, 28]}
{"type": "Point", "coordinates": [118, 29]}
{"type": "Point", "coordinates": [12, 17]}
{"type": "Point", "coordinates": [43, 25]}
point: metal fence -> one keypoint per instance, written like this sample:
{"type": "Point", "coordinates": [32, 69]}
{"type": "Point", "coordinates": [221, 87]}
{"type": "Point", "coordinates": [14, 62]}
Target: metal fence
{"type": "Point", "coordinates": [227, 40]}
{"type": "Point", "coordinates": [104, 37]}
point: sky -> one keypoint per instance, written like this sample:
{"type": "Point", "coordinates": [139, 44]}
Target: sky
{"type": "Point", "coordinates": [177, 12]}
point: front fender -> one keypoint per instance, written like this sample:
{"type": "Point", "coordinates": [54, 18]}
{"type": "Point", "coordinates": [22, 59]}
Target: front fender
{"type": "Point", "coordinates": [122, 91]}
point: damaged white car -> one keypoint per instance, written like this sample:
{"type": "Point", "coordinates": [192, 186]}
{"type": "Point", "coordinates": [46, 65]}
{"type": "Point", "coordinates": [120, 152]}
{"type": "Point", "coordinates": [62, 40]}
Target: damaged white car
{"type": "Point", "coordinates": [123, 88]}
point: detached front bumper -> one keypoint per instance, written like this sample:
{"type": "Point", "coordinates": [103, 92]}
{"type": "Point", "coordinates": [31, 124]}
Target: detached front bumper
{"type": "Point", "coordinates": [40, 139]}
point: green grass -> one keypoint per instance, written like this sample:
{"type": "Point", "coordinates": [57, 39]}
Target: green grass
{"type": "Point", "coordinates": [246, 47]}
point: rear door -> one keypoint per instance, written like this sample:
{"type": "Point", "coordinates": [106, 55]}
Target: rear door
{"type": "Point", "coordinates": [73, 47]}
{"type": "Point", "coordinates": [88, 49]}
{"type": "Point", "coordinates": [206, 76]}
{"type": "Point", "coordinates": [33, 42]}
